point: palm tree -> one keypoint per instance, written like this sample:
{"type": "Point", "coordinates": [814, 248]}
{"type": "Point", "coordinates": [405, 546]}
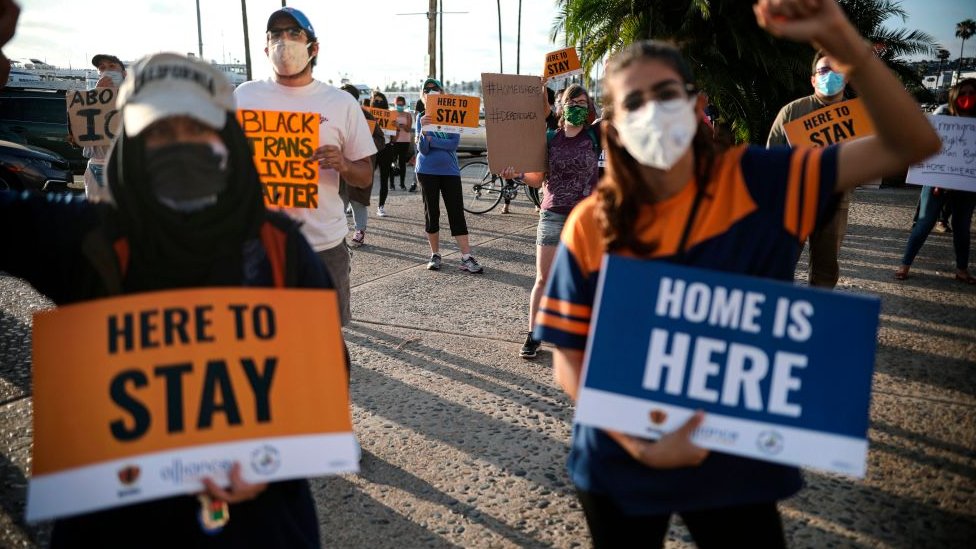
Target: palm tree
{"type": "Point", "coordinates": [746, 72]}
{"type": "Point", "coordinates": [943, 55]}
{"type": "Point", "coordinates": [965, 30]}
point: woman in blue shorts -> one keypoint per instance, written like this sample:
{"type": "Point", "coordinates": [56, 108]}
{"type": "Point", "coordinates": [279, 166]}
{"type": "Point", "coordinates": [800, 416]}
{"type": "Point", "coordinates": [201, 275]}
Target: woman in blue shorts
{"type": "Point", "coordinates": [573, 155]}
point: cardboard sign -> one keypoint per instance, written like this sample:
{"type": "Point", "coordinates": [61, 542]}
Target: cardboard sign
{"type": "Point", "coordinates": [92, 115]}
{"type": "Point", "coordinates": [515, 119]}
{"type": "Point", "coordinates": [139, 397]}
{"type": "Point", "coordinates": [562, 64]}
{"type": "Point", "coordinates": [385, 118]}
{"type": "Point", "coordinates": [282, 144]}
{"type": "Point", "coordinates": [453, 113]}
{"type": "Point", "coordinates": [783, 372]}
{"type": "Point", "coordinates": [832, 124]}
{"type": "Point", "coordinates": [955, 165]}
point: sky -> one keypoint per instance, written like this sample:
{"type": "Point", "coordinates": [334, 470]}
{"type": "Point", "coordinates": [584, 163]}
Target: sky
{"type": "Point", "coordinates": [368, 43]}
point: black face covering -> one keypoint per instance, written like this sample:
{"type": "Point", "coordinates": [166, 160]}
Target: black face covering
{"type": "Point", "coordinates": [183, 175]}
{"type": "Point", "coordinates": [173, 248]}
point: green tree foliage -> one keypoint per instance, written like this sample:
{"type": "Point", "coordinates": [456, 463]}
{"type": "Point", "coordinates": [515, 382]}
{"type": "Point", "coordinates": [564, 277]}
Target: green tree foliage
{"type": "Point", "coordinates": [965, 30]}
{"type": "Point", "coordinates": [747, 73]}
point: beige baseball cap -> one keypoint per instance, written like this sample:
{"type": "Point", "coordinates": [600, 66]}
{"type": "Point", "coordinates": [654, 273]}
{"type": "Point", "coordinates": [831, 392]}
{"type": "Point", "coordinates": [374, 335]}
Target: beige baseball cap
{"type": "Point", "coordinates": [162, 85]}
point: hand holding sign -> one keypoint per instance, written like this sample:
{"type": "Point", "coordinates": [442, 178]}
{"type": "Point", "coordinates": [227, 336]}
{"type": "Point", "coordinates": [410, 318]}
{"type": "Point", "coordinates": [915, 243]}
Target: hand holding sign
{"type": "Point", "coordinates": [240, 490]}
{"type": "Point", "coordinates": [330, 157]}
{"type": "Point", "coordinates": [672, 451]}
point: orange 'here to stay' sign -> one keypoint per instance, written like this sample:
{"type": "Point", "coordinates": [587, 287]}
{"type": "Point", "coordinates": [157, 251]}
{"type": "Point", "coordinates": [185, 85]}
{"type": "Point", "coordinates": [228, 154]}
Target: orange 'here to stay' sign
{"type": "Point", "coordinates": [562, 63]}
{"type": "Point", "coordinates": [453, 113]}
{"type": "Point", "coordinates": [832, 124]}
{"type": "Point", "coordinates": [144, 381]}
{"type": "Point", "coordinates": [282, 144]}
{"type": "Point", "coordinates": [385, 118]}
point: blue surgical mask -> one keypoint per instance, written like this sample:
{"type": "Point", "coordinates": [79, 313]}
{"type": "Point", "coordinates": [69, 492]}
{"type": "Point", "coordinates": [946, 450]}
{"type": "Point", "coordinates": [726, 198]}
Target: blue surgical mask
{"type": "Point", "coordinates": [400, 108]}
{"type": "Point", "coordinates": [830, 84]}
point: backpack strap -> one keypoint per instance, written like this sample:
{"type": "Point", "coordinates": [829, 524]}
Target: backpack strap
{"type": "Point", "coordinates": [275, 242]}
{"type": "Point", "coordinates": [109, 261]}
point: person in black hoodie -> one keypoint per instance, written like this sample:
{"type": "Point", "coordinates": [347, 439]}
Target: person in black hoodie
{"type": "Point", "coordinates": [188, 212]}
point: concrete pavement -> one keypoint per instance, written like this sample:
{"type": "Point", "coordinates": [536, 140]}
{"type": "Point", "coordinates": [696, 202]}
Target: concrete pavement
{"type": "Point", "coordinates": [465, 443]}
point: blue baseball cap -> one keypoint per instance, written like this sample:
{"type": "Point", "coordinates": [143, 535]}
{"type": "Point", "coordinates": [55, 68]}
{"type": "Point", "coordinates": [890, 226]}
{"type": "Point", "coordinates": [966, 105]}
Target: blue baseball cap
{"type": "Point", "coordinates": [299, 18]}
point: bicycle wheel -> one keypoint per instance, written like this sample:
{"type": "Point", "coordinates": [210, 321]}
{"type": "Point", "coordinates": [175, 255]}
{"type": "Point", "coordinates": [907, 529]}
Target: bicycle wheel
{"type": "Point", "coordinates": [480, 189]}
{"type": "Point", "coordinates": [533, 194]}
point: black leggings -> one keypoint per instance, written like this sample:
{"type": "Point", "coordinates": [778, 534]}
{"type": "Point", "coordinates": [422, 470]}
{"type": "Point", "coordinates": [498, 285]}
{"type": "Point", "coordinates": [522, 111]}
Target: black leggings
{"type": "Point", "coordinates": [400, 156]}
{"type": "Point", "coordinates": [384, 158]}
{"type": "Point", "coordinates": [449, 186]}
{"type": "Point", "coordinates": [757, 525]}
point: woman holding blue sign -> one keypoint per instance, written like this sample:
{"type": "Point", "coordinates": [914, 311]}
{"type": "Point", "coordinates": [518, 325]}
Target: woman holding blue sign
{"type": "Point", "coordinates": [670, 195]}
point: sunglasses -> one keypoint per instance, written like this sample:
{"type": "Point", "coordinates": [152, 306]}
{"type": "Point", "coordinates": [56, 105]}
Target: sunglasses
{"type": "Point", "coordinates": [293, 33]}
{"type": "Point", "coordinates": [431, 88]}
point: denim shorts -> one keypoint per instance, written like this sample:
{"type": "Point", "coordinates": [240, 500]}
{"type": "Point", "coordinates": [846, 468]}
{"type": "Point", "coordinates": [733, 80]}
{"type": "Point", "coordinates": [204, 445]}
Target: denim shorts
{"type": "Point", "coordinates": [550, 226]}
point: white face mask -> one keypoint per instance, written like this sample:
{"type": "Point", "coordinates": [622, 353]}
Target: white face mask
{"type": "Point", "coordinates": [660, 132]}
{"type": "Point", "coordinates": [289, 57]}
{"type": "Point", "coordinates": [115, 76]}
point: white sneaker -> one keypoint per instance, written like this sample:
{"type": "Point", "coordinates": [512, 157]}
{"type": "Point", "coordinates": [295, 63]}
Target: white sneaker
{"type": "Point", "coordinates": [380, 211]}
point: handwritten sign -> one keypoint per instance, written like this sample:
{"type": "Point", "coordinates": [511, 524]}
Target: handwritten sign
{"type": "Point", "coordinates": [372, 125]}
{"type": "Point", "coordinates": [282, 144]}
{"type": "Point", "coordinates": [783, 372]}
{"type": "Point", "coordinates": [955, 165]}
{"type": "Point", "coordinates": [562, 63]}
{"type": "Point", "coordinates": [139, 397]}
{"type": "Point", "coordinates": [515, 120]}
{"type": "Point", "coordinates": [453, 113]}
{"type": "Point", "coordinates": [93, 117]}
{"type": "Point", "coordinates": [832, 124]}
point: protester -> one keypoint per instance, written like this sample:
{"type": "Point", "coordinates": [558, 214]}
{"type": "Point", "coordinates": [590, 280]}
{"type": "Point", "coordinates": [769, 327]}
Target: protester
{"type": "Point", "coordinates": [357, 198]}
{"type": "Point", "coordinates": [403, 140]}
{"type": "Point", "coordinates": [111, 72]}
{"type": "Point", "coordinates": [188, 212]}
{"type": "Point", "coordinates": [573, 153]}
{"type": "Point", "coordinates": [9, 14]}
{"type": "Point", "coordinates": [384, 158]}
{"type": "Point", "coordinates": [962, 102]}
{"type": "Point", "coordinates": [669, 195]}
{"type": "Point", "coordinates": [829, 86]}
{"type": "Point", "coordinates": [439, 175]}
{"type": "Point", "coordinates": [345, 144]}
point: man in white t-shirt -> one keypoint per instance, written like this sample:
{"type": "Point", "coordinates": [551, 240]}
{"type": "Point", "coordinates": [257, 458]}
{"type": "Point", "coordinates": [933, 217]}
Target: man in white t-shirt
{"type": "Point", "coordinates": [345, 145]}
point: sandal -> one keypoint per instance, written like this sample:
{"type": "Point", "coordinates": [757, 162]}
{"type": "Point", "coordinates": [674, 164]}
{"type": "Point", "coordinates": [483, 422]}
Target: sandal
{"type": "Point", "coordinates": [901, 274]}
{"type": "Point", "coordinates": [967, 278]}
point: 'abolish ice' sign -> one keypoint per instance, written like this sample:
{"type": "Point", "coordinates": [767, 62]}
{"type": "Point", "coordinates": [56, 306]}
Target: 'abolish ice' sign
{"type": "Point", "coordinates": [783, 372]}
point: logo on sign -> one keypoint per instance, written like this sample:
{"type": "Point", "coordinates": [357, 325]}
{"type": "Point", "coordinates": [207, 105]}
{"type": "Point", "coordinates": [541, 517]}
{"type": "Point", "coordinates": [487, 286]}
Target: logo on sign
{"type": "Point", "coordinates": [658, 416]}
{"type": "Point", "coordinates": [770, 442]}
{"type": "Point", "coordinates": [265, 460]}
{"type": "Point", "coordinates": [128, 476]}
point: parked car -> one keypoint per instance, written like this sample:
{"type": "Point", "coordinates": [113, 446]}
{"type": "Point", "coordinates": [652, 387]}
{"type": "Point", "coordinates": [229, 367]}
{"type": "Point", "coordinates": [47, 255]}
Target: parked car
{"type": "Point", "coordinates": [475, 143]}
{"type": "Point", "coordinates": [26, 167]}
{"type": "Point", "coordinates": [40, 118]}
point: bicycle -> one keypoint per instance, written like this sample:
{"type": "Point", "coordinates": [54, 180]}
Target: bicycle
{"type": "Point", "coordinates": [482, 190]}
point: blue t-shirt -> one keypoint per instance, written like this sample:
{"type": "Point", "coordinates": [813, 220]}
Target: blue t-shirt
{"type": "Point", "coordinates": [757, 210]}
{"type": "Point", "coordinates": [437, 153]}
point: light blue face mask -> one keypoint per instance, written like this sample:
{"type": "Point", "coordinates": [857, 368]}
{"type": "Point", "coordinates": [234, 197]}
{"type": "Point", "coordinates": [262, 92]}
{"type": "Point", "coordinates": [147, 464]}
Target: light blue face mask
{"type": "Point", "coordinates": [830, 84]}
{"type": "Point", "coordinates": [400, 108]}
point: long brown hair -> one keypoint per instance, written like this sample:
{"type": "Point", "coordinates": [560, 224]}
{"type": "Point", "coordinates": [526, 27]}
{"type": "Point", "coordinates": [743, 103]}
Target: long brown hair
{"type": "Point", "coordinates": [622, 193]}
{"type": "Point", "coordinates": [954, 94]}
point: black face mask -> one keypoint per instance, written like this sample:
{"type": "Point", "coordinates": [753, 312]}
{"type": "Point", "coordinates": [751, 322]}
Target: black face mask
{"type": "Point", "coordinates": [186, 176]}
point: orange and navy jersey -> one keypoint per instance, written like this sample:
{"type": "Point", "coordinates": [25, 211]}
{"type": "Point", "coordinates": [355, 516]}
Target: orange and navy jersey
{"type": "Point", "coordinates": [758, 208]}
